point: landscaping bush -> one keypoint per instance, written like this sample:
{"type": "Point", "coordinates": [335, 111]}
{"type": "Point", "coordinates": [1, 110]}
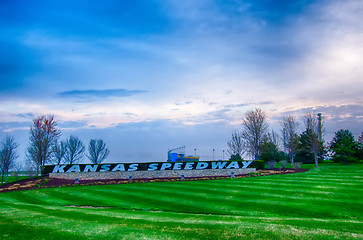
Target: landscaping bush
{"type": "Point", "coordinates": [344, 159]}
{"type": "Point", "coordinates": [258, 164]}
{"type": "Point", "coordinates": [270, 164]}
{"type": "Point", "coordinates": [235, 157]}
{"type": "Point", "coordinates": [297, 165]}
{"type": "Point", "coordinates": [16, 175]}
{"type": "Point", "coordinates": [283, 164]}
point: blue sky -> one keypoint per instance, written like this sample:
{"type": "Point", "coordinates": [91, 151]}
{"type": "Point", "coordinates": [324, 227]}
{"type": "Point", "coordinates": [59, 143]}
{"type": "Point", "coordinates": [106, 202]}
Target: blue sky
{"type": "Point", "coordinates": [148, 75]}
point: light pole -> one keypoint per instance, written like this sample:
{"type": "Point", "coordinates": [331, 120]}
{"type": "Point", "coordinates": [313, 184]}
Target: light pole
{"type": "Point", "coordinates": [319, 127]}
{"type": "Point", "coordinates": [213, 154]}
{"type": "Point", "coordinates": [223, 155]}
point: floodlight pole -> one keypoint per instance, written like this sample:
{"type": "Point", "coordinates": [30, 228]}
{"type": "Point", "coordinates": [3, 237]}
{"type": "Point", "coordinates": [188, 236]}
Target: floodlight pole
{"type": "Point", "coordinates": [319, 126]}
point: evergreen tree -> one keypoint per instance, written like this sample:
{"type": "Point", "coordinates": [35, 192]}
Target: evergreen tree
{"type": "Point", "coordinates": [359, 152]}
{"type": "Point", "coordinates": [305, 152]}
{"type": "Point", "coordinates": [270, 152]}
{"type": "Point", "coordinates": [344, 147]}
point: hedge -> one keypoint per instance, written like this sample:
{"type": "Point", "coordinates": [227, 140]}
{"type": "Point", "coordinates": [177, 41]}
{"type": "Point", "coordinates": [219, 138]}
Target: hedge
{"type": "Point", "coordinates": [258, 164]}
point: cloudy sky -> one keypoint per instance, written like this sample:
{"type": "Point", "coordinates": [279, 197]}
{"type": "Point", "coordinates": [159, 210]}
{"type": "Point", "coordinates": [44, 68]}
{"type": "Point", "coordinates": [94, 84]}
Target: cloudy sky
{"type": "Point", "coordinates": [149, 75]}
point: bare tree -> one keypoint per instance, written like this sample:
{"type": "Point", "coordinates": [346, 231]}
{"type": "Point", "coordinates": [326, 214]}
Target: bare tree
{"type": "Point", "coordinates": [59, 150]}
{"type": "Point", "coordinates": [17, 168]}
{"type": "Point", "coordinates": [274, 138]}
{"type": "Point", "coordinates": [315, 146]}
{"type": "Point", "coordinates": [236, 145]}
{"type": "Point", "coordinates": [8, 155]}
{"type": "Point", "coordinates": [254, 131]}
{"type": "Point", "coordinates": [290, 135]}
{"type": "Point", "coordinates": [43, 135]}
{"type": "Point", "coordinates": [311, 121]}
{"type": "Point", "coordinates": [270, 148]}
{"type": "Point", "coordinates": [97, 151]}
{"type": "Point", "coordinates": [74, 150]}
{"type": "Point", "coordinates": [314, 124]}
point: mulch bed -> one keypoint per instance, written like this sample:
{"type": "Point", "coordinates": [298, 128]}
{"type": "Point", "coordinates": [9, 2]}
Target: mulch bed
{"type": "Point", "coordinates": [46, 182]}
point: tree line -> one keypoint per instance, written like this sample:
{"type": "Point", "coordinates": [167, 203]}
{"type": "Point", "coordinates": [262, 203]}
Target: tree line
{"type": "Point", "coordinates": [254, 139]}
{"type": "Point", "coordinates": [257, 141]}
{"type": "Point", "coordinates": [45, 147]}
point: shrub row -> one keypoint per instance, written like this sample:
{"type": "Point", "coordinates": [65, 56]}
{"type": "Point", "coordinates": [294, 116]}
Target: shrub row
{"type": "Point", "coordinates": [258, 164]}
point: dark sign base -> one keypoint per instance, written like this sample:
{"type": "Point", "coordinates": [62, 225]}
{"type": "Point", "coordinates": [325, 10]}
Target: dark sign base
{"type": "Point", "coordinates": [152, 174]}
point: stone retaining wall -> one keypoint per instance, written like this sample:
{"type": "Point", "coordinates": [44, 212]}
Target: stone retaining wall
{"type": "Point", "coordinates": [152, 174]}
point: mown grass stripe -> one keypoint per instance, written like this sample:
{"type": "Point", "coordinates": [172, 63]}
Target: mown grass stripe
{"type": "Point", "coordinates": [203, 223]}
{"type": "Point", "coordinates": [273, 188]}
{"type": "Point", "coordinates": [218, 198]}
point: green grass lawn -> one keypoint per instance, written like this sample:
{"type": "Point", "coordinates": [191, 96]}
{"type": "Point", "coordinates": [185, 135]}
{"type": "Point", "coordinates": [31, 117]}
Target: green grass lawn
{"type": "Point", "coordinates": [323, 203]}
{"type": "Point", "coordinates": [12, 179]}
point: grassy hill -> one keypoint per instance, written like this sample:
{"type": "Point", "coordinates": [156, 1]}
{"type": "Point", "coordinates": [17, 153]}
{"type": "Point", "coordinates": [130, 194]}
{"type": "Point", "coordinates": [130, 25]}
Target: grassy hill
{"type": "Point", "coordinates": [323, 203]}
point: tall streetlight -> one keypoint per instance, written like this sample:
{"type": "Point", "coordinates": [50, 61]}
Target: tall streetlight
{"type": "Point", "coordinates": [319, 127]}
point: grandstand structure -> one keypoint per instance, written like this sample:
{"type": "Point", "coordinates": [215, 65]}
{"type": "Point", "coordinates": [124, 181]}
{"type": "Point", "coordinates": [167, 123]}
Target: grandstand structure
{"type": "Point", "coordinates": [178, 155]}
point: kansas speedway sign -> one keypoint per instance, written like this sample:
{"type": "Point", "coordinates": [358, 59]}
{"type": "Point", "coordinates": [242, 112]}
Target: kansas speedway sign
{"type": "Point", "coordinates": [155, 166]}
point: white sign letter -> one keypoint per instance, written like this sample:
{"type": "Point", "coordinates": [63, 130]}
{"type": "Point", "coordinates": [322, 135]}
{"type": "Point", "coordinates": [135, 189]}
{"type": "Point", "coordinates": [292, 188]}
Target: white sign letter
{"type": "Point", "coordinates": [201, 165]}
{"type": "Point", "coordinates": [165, 166]}
{"type": "Point", "coordinates": [233, 165]}
{"type": "Point", "coordinates": [218, 165]}
{"type": "Point", "coordinates": [189, 166]}
{"type": "Point", "coordinates": [59, 168]}
{"type": "Point", "coordinates": [90, 168]}
{"type": "Point", "coordinates": [246, 164]}
{"type": "Point", "coordinates": [133, 167]}
{"type": "Point", "coordinates": [119, 167]}
{"type": "Point", "coordinates": [153, 167]}
{"type": "Point", "coordinates": [74, 168]}
{"type": "Point", "coordinates": [105, 168]}
{"type": "Point", "coordinates": [177, 166]}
